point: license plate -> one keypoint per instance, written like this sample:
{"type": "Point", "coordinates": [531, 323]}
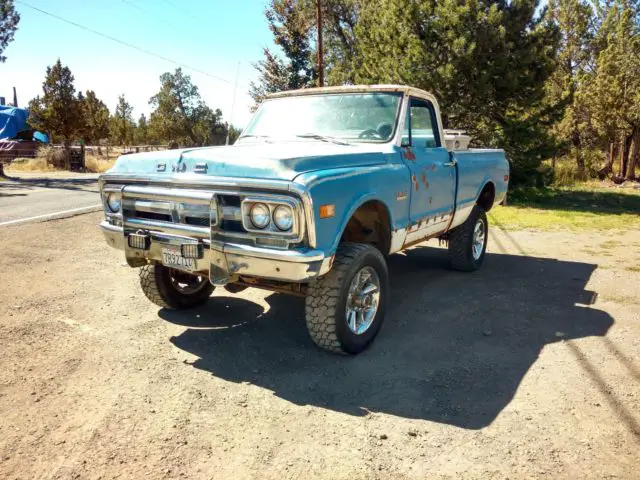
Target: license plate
{"type": "Point", "coordinates": [172, 258]}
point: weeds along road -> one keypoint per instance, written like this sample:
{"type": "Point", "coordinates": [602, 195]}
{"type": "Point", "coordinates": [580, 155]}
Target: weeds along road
{"type": "Point", "coordinates": [527, 368]}
{"type": "Point", "coordinates": [26, 197]}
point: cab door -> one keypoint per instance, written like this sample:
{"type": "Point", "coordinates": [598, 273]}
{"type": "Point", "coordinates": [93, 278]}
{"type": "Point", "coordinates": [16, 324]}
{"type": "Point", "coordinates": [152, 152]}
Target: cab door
{"type": "Point", "coordinates": [433, 174]}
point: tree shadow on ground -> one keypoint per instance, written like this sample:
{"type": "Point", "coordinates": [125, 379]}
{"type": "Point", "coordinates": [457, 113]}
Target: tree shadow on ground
{"type": "Point", "coordinates": [454, 347]}
{"type": "Point", "coordinates": [594, 201]}
{"type": "Point", "coordinates": [11, 185]}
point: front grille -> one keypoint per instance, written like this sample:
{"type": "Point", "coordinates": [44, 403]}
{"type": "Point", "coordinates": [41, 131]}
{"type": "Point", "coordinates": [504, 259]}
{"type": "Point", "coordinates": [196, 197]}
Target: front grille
{"type": "Point", "coordinates": [191, 208]}
{"type": "Point", "coordinates": [229, 200]}
{"type": "Point", "coordinates": [232, 226]}
{"type": "Point", "coordinates": [200, 221]}
{"type": "Point", "coordinates": [163, 217]}
{"type": "Point", "coordinates": [205, 215]}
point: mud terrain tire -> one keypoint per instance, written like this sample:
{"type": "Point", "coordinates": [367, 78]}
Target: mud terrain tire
{"type": "Point", "coordinates": [463, 238]}
{"type": "Point", "coordinates": [326, 301]}
{"type": "Point", "coordinates": [160, 284]}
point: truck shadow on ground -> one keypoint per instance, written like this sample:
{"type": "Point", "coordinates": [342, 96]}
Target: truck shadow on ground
{"type": "Point", "coordinates": [454, 347]}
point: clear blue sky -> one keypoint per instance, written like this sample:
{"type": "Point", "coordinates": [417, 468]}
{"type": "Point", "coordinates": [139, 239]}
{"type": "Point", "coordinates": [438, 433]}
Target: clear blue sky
{"type": "Point", "coordinates": [211, 35]}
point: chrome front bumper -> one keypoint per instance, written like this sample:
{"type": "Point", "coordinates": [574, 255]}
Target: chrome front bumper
{"type": "Point", "coordinates": [223, 262]}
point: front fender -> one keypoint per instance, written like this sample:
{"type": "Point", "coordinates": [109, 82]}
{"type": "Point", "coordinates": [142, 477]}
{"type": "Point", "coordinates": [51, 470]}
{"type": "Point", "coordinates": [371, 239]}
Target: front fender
{"type": "Point", "coordinates": [355, 205]}
{"type": "Point", "coordinates": [347, 190]}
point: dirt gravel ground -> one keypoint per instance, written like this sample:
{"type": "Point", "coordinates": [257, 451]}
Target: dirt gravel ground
{"type": "Point", "coordinates": [527, 368]}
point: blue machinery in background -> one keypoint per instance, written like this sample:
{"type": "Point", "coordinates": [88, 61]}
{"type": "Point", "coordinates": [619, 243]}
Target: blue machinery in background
{"type": "Point", "coordinates": [13, 125]}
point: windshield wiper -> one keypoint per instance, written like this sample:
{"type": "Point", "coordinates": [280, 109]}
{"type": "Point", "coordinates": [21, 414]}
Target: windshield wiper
{"type": "Point", "coordinates": [324, 138]}
{"type": "Point", "coordinates": [262, 137]}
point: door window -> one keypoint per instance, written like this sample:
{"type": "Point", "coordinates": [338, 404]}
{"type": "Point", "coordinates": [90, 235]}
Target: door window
{"type": "Point", "coordinates": [421, 128]}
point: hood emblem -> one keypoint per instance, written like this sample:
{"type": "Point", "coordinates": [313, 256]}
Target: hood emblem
{"type": "Point", "coordinates": [201, 168]}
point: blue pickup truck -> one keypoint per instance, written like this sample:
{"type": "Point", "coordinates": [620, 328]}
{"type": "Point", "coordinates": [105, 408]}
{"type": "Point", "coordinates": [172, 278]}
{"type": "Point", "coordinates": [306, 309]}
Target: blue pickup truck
{"type": "Point", "coordinates": [322, 185]}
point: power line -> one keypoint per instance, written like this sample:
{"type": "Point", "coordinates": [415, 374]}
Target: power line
{"type": "Point", "coordinates": [177, 28]}
{"type": "Point", "coordinates": [159, 19]}
{"type": "Point", "coordinates": [129, 45]}
{"type": "Point", "coordinates": [181, 10]}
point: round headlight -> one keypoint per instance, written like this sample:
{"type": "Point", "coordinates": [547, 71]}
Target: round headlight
{"type": "Point", "coordinates": [260, 216]}
{"type": "Point", "coordinates": [113, 202]}
{"type": "Point", "coordinates": [283, 217]}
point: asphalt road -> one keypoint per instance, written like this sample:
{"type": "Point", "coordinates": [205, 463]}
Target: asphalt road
{"type": "Point", "coordinates": [31, 197]}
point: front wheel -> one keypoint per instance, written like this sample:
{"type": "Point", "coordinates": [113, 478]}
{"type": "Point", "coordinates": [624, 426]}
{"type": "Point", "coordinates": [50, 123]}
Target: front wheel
{"type": "Point", "coordinates": [171, 288]}
{"type": "Point", "coordinates": [468, 242]}
{"type": "Point", "coordinates": [346, 307]}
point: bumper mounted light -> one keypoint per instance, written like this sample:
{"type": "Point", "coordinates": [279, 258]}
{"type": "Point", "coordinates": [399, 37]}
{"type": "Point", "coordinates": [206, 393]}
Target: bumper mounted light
{"type": "Point", "coordinates": [138, 241]}
{"type": "Point", "coordinates": [192, 250]}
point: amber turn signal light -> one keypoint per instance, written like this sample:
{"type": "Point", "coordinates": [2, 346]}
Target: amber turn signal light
{"type": "Point", "coordinates": [327, 211]}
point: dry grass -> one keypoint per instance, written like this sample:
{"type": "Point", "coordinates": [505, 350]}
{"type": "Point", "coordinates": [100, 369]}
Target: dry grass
{"type": "Point", "coordinates": [97, 164]}
{"type": "Point", "coordinates": [566, 170]}
{"type": "Point", "coordinates": [50, 160]}
{"type": "Point", "coordinates": [37, 164]}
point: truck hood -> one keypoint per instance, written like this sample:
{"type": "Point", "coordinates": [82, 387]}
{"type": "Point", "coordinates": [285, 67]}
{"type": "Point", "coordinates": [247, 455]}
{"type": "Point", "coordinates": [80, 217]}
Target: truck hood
{"type": "Point", "coordinates": [276, 161]}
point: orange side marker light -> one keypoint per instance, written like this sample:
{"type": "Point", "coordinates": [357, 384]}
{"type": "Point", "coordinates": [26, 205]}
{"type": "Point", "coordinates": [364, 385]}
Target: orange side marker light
{"type": "Point", "coordinates": [327, 211]}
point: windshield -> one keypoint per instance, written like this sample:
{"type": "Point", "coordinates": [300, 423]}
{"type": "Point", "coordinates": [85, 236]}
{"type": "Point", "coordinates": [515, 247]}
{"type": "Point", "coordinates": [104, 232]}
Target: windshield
{"type": "Point", "coordinates": [347, 117]}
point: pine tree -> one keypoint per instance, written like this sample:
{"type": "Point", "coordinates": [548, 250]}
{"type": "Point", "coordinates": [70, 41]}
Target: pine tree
{"type": "Point", "coordinates": [122, 126]}
{"type": "Point", "coordinates": [575, 20]}
{"type": "Point", "coordinates": [142, 132]}
{"type": "Point", "coordinates": [180, 115]}
{"type": "Point", "coordinates": [339, 34]}
{"type": "Point", "coordinates": [614, 90]}
{"type": "Point", "coordinates": [95, 115]}
{"type": "Point", "coordinates": [486, 61]}
{"type": "Point", "coordinates": [9, 20]}
{"type": "Point", "coordinates": [273, 77]}
{"type": "Point", "coordinates": [58, 112]}
{"type": "Point", "coordinates": [291, 29]}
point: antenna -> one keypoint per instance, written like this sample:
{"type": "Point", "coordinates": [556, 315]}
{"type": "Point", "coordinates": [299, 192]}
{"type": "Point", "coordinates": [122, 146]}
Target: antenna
{"type": "Point", "coordinates": [233, 104]}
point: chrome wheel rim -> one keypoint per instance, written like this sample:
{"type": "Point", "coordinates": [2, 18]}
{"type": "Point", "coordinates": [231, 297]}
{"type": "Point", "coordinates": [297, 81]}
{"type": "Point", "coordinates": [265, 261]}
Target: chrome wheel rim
{"type": "Point", "coordinates": [478, 239]}
{"type": "Point", "coordinates": [185, 283]}
{"type": "Point", "coordinates": [363, 300]}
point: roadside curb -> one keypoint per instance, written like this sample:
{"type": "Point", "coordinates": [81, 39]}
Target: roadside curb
{"type": "Point", "coordinates": [52, 216]}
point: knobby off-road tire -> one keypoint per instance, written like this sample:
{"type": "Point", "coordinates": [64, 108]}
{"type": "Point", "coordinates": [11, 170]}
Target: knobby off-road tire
{"type": "Point", "coordinates": [160, 286]}
{"type": "Point", "coordinates": [327, 297]}
{"type": "Point", "coordinates": [463, 238]}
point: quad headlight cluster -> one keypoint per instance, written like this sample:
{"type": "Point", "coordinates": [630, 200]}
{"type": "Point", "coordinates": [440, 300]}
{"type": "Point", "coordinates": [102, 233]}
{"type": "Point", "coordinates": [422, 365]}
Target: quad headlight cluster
{"type": "Point", "coordinates": [262, 215]}
{"type": "Point", "coordinates": [113, 201]}
{"type": "Point", "coordinates": [283, 217]}
{"type": "Point", "coordinates": [271, 215]}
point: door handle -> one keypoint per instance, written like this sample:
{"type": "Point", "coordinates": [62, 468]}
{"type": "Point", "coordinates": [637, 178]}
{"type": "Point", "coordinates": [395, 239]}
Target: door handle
{"type": "Point", "coordinates": [452, 163]}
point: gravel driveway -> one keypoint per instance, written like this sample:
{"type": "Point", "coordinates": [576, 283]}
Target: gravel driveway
{"type": "Point", "coordinates": [527, 368]}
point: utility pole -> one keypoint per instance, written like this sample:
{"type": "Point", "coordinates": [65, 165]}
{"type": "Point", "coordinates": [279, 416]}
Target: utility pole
{"type": "Point", "coordinates": [320, 53]}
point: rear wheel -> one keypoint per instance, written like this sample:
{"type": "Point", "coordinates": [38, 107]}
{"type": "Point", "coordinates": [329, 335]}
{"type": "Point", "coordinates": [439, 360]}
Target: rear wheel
{"type": "Point", "coordinates": [468, 242]}
{"type": "Point", "coordinates": [346, 307]}
{"type": "Point", "coordinates": [171, 288]}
